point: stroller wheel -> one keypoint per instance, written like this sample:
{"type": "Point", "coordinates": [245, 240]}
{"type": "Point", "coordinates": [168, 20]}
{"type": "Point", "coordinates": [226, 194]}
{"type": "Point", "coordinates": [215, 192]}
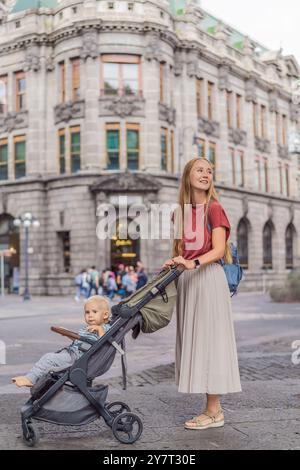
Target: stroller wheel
{"type": "Point", "coordinates": [127, 428]}
{"type": "Point", "coordinates": [117, 407]}
{"type": "Point", "coordinates": [30, 436]}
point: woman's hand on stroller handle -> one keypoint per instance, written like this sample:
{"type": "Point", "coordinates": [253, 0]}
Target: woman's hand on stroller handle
{"type": "Point", "coordinates": [179, 261]}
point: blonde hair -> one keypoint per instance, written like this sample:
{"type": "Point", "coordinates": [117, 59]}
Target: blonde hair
{"type": "Point", "coordinates": [185, 197]}
{"type": "Point", "coordinates": [103, 302]}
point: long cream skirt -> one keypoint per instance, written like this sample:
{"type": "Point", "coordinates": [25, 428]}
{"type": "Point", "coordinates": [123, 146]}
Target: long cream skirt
{"type": "Point", "coordinates": [206, 356]}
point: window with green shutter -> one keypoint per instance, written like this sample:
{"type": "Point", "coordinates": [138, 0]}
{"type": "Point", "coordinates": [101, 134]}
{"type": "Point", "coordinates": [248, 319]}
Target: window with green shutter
{"type": "Point", "coordinates": [3, 160]}
{"type": "Point", "coordinates": [62, 151]}
{"type": "Point", "coordinates": [20, 157]}
{"type": "Point", "coordinates": [113, 146]}
{"type": "Point", "coordinates": [133, 144]}
{"type": "Point", "coordinates": [75, 149]}
{"type": "Point", "coordinates": [164, 149]}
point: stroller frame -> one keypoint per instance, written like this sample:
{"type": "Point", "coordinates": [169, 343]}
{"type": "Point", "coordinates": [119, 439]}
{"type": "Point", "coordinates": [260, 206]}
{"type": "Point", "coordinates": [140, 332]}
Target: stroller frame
{"type": "Point", "coordinates": [122, 422]}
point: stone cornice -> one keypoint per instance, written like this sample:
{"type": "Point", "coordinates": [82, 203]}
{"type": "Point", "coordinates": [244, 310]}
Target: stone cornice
{"type": "Point", "coordinates": [168, 36]}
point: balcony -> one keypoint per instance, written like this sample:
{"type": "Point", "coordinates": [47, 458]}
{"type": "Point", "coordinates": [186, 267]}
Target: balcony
{"type": "Point", "coordinates": [65, 112]}
{"type": "Point", "coordinates": [208, 127]}
{"type": "Point", "coordinates": [121, 104]}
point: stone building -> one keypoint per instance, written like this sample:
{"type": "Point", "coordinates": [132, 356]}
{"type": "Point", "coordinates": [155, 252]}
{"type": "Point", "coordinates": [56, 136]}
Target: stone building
{"type": "Point", "coordinates": [106, 98]}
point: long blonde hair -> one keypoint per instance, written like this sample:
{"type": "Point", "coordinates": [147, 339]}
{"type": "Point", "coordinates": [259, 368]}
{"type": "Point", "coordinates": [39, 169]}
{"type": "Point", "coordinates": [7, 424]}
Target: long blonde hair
{"type": "Point", "coordinates": [185, 197]}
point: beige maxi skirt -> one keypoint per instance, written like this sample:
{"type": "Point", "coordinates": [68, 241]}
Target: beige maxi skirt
{"type": "Point", "coordinates": [206, 356]}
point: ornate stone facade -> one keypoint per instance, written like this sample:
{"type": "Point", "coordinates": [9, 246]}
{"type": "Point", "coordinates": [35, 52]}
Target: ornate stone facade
{"type": "Point", "coordinates": [186, 71]}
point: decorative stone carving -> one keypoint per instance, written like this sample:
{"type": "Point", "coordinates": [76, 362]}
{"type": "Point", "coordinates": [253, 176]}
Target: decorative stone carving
{"type": "Point", "coordinates": [192, 64]}
{"type": "Point", "coordinates": [262, 145]}
{"type": "Point", "coordinates": [32, 60]}
{"type": "Point", "coordinates": [50, 64]}
{"type": "Point", "coordinates": [126, 182]}
{"type": "Point", "coordinates": [64, 112]}
{"type": "Point", "coordinates": [237, 137]}
{"type": "Point", "coordinates": [178, 63]}
{"type": "Point", "coordinates": [210, 128]}
{"type": "Point", "coordinates": [166, 113]}
{"type": "Point", "coordinates": [251, 95]}
{"type": "Point", "coordinates": [273, 101]}
{"type": "Point", "coordinates": [122, 106]}
{"type": "Point", "coordinates": [153, 48]}
{"type": "Point", "coordinates": [294, 112]}
{"type": "Point", "coordinates": [224, 77]}
{"type": "Point", "coordinates": [90, 47]}
{"type": "Point", "coordinates": [283, 151]}
{"type": "Point", "coordinates": [12, 121]}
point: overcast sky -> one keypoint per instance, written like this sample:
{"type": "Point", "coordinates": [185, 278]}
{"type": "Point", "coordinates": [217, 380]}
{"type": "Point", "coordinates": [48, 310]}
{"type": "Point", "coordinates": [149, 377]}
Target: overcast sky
{"type": "Point", "coordinates": [274, 23]}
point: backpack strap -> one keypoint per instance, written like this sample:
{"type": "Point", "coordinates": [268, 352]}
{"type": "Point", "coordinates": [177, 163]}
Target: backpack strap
{"type": "Point", "coordinates": [210, 231]}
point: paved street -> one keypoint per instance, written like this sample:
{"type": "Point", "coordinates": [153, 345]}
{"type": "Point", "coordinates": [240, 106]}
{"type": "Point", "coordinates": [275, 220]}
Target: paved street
{"type": "Point", "coordinates": [266, 415]}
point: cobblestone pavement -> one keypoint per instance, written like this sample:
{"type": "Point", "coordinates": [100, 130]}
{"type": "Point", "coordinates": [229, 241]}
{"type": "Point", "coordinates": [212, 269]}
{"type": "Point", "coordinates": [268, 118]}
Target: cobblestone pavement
{"type": "Point", "coordinates": [266, 415]}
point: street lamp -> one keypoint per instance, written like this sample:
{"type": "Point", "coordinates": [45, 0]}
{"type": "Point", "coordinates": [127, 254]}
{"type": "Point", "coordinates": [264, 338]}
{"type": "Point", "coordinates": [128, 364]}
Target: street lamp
{"type": "Point", "coordinates": [27, 220]}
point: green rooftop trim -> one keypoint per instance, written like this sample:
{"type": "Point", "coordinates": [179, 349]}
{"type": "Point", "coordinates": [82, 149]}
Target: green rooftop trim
{"type": "Point", "coordinates": [22, 5]}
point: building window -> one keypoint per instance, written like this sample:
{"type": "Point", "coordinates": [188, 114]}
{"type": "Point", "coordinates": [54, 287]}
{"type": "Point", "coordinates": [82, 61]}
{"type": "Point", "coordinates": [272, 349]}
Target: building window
{"type": "Point", "coordinates": [130, 6]}
{"type": "Point", "coordinates": [239, 169]}
{"type": "Point", "coordinates": [172, 152]}
{"type": "Point", "coordinates": [113, 146]}
{"type": "Point", "coordinates": [164, 149]}
{"type": "Point", "coordinates": [62, 150]}
{"type": "Point", "coordinates": [199, 96]}
{"type": "Point", "coordinates": [201, 148]}
{"type": "Point", "coordinates": [62, 81]}
{"type": "Point", "coordinates": [257, 174]}
{"type": "Point", "coordinates": [263, 121]}
{"type": "Point", "coordinates": [20, 156]}
{"type": "Point", "coordinates": [280, 178]}
{"type": "Point", "coordinates": [210, 100]}
{"type": "Point", "coordinates": [20, 91]}
{"type": "Point", "coordinates": [121, 75]}
{"type": "Point", "coordinates": [265, 175]}
{"type": "Point", "coordinates": [162, 69]}
{"type": "Point", "coordinates": [242, 242]}
{"type": "Point", "coordinates": [255, 120]}
{"type": "Point", "coordinates": [3, 159]}
{"type": "Point", "coordinates": [287, 181]}
{"type": "Point", "coordinates": [65, 249]}
{"type": "Point", "coordinates": [229, 108]}
{"type": "Point", "coordinates": [111, 5]}
{"type": "Point", "coordinates": [232, 166]}
{"type": "Point", "coordinates": [133, 146]}
{"type": "Point", "coordinates": [277, 118]}
{"type": "Point", "coordinates": [74, 10]}
{"type": "Point", "coordinates": [238, 111]}
{"type": "Point", "coordinates": [3, 94]}
{"type": "Point", "coordinates": [284, 130]}
{"type": "Point", "coordinates": [289, 249]}
{"type": "Point", "coordinates": [267, 246]}
{"type": "Point", "coordinates": [75, 149]}
{"type": "Point", "coordinates": [18, 24]}
{"type": "Point", "coordinates": [212, 154]}
{"type": "Point", "coordinates": [75, 79]}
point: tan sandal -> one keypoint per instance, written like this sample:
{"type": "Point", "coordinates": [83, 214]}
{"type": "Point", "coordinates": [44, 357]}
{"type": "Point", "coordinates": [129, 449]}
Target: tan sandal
{"type": "Point", "coordinates": [215, 421]}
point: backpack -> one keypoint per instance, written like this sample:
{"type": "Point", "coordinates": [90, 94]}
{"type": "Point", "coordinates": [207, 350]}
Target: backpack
{"type": "Point", "coordinates": [234, 271]}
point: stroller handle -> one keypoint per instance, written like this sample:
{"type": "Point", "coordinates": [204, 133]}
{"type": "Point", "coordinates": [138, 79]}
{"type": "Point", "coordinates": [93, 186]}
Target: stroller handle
{"type": "Point", "coordinates": [65, 332]}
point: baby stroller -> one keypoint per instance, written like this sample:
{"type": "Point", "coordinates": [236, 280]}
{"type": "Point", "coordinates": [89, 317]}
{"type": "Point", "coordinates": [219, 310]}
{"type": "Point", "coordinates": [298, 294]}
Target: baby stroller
{"type": "Point", "coordinates": [69, 398]}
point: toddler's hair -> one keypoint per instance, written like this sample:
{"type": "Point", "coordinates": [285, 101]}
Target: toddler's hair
{"type": "Point", "coordinates": [103, 301]}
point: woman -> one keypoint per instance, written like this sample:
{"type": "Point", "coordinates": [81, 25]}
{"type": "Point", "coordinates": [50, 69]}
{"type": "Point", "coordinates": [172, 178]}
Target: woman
{"type": "Point", "coordinates": [206, 356]}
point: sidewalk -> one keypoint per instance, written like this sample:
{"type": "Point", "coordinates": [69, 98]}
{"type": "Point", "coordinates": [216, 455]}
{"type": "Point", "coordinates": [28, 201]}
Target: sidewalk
{"type": "Point", "coordinates": [266, 415]}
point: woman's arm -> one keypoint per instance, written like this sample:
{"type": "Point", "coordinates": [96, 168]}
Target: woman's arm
{"type": "Point", "coordinates": [217, 252]}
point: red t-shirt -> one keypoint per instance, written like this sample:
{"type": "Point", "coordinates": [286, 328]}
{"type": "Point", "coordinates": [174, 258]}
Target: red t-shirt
{"type": "Point", "coordinates": [216, 218]}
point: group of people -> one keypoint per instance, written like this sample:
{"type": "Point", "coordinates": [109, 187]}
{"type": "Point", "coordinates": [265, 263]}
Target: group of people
{"type": "Point", "coordinates": [123, 281]}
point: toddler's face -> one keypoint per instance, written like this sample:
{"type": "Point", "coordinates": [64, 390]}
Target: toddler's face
{"type": "Point", "coordinates": [95, 313]}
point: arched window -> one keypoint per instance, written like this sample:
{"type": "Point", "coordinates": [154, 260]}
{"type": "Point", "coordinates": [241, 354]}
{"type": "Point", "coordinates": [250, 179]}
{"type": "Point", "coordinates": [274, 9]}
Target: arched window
{"type": "Point", "coordinates": [289, 248]}
{"type": "Point", "coordinates": [267, 246]}
{"type": "Point", "coordinates": [242, 242]}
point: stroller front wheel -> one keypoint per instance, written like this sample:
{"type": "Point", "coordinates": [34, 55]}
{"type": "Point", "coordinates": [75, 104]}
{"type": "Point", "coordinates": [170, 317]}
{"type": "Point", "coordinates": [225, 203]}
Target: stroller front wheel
{"type": "Point", "coordinates": [117, 407]}
{"type": "Point", "coordinates": [30, 435]}
{"type": "Point", "coordinates": [127, 428]}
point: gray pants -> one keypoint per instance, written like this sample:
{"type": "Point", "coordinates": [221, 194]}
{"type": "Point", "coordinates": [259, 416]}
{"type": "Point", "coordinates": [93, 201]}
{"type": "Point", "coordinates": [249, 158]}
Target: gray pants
{"type": "Point", "coordinates": [51, 362]}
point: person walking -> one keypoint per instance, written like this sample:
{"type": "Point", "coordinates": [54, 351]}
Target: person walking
{"type": "Point", "coordinates": [206, 356]}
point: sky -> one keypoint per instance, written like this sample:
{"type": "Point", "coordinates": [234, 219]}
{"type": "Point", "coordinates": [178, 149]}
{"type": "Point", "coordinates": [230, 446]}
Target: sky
{"type": "Point", "coordinates": [273, 23]}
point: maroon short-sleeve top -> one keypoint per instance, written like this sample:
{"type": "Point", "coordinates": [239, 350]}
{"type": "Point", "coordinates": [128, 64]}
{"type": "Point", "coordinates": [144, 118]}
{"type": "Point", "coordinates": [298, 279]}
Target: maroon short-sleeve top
{"type": "Point", "coordinates": [217, 218]}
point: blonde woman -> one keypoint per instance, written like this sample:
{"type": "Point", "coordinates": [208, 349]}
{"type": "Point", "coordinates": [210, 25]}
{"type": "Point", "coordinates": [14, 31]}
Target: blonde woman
{"type": "Point", "coordinates": [206, 356]}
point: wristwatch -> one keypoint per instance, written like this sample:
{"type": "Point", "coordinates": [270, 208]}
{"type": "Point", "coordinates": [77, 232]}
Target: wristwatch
{"type": "Point", "coordinates": [197, 263]}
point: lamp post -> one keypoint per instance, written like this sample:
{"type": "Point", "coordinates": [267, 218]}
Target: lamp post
{"type": "Point", "coordinates": [27, 220]}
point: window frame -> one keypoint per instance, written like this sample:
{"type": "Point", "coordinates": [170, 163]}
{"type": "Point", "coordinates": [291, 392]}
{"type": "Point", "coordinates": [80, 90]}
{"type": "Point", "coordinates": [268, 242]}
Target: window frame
{"type": "Point", "coordinates": [74, 130]}
{"type": "Point", "coordinates": [20, 95]}
{"type": "Point", "coordinates": [121, 59]}
{"type": "Point", "coordinates": [4, 143]}
{"type": "Point", "coordinates": [75, 64]}
{"type": "Point", "coordinates": [112, 126]}
{"type": "Point", "coordinates": [61, 133]}
{"type": "Point", "coordinates": [17, 139]}
{"type": "Point", "coordinates": [137, 128]}
{"type": "Point", "coordinates": [4, 105]}
{"type": "Point", "coordinates": [164, 132]}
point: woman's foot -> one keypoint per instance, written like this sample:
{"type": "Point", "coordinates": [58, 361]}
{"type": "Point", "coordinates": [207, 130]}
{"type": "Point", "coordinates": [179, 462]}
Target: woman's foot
{"type": "Point", "coordinates": [22, 381]}
{"type": "Point", "coordinates": [206, 420]}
